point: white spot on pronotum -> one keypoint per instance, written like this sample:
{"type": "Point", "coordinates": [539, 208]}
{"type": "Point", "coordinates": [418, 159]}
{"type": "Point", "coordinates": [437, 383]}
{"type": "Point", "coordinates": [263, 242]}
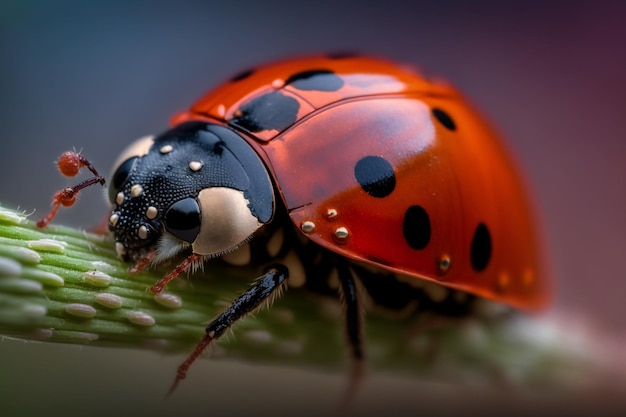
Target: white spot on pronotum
{"type": "Point", "coordinates": [119, 198]}
{"type": "Point", "coordinates": [331, 213]}
{"type": "Point", "coordinates": [114, 219]}
{"type": "Point", "coordinates": [120, 249]}
{"type": "Point", "coordinates": [47, 278]}
{"type": "Point", "coordinates": [10, 267]}
{"type": "Point", "coordinates": [97, 279]}
{"type": "Point", "coordinates": [136, 190]}
{"type": "Point", "coordinates": [289, 348]}
{"type": "Point", "coordinates": [257, 337]}
{"type": "Point", "coordinates": [195, 165]}
{"type": "Point", "coordinates": [152, 212]}
{"type": "Point", "coordinates": [142, 232]}
{"type": "Point", "coordinates": [166, 149]}
{"type": "Point", "coordinates": [83, 311]}
{"type": "Point", "coordinates": [48, 245]}
{"type": "Point", "coordinates": [169, 300]}
{"type": "Point", "coordinates": [108, 300]}
{"type": "Point", "coordinates": [140, 318]}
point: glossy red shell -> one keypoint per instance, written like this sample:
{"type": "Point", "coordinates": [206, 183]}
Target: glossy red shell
{"type": "Point", "coordinates": [455, 170]}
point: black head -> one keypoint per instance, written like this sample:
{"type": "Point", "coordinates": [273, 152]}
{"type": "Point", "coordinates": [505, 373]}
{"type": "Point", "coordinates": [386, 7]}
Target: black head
{"type": "Point", "coordinates": [198, 186]}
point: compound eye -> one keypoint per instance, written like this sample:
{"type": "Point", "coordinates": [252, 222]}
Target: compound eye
{"type": "Point", "coordinates": [120, 176]}
{"type": "Point", "coordinates": [182, 219]}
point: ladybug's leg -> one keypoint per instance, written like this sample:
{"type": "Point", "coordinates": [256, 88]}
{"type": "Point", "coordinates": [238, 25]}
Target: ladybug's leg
{"type": "Point", "coordinates": [262, 291]}
{"type": "Point", "coordinates": [180, 268]}
{"type": "Point", "coordinates": [353, 316]}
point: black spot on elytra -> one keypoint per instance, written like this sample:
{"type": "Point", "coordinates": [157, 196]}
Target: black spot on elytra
{"type": "Point", "coordinates": [375, 175]}
{"type": "Point", "coordinates": [271, 111]}
{"type": "Point", "coordinates": [416, 227]}
{"type": "Point", "coordinates": [444, 118]}
{"type": "Point", "coordinates": [480, 251]}
{"type": "Point", "coordinates": [317, 79]}
{"type": "Point", "coordinates": [242, 75]}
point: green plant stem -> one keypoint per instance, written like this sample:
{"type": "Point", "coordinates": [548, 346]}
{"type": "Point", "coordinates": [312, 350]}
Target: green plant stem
{"type": "Point", "coordinates": [65, 285]}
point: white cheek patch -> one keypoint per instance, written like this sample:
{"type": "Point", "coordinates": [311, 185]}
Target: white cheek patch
{"type": "Point", "coordinates": [226, 221]}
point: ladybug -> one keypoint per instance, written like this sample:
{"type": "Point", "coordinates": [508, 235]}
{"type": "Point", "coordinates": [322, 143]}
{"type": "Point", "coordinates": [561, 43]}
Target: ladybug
{"type": "Point", "coordinates": [341, 174]}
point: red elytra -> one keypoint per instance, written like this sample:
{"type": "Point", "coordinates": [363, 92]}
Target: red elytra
{"type": "Point", "coordinates": [451, 172]}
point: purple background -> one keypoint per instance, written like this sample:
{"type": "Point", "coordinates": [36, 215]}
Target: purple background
{"type": "Point", "coordinates": [551, 76]}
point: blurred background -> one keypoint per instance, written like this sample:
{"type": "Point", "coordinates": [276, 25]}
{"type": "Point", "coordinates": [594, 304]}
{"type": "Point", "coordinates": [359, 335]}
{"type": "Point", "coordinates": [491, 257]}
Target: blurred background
{"type": "Point", "coordinates": [96, 75]}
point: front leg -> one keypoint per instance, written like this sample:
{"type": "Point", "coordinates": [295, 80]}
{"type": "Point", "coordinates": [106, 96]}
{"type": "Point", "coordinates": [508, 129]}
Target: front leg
{"type": "Point", "coordinates": [262, 291]}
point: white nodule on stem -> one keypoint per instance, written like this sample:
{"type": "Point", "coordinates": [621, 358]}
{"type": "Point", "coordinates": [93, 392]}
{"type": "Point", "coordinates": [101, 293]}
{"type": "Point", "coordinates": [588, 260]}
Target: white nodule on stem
{"type": "Point", "coordinates": [20, 285]}
{"type": "Point", "coordinates": [41, 334]}
{"type": "Point", "coordinates": [140, 318]}
{"type": "Point", "coordinates": [80, 310]}
{"type": "Point", "coordinates": [169, 300]}
{"type": "Point", "coordinates": [109, 300]}
{"type": "Point", "coordinates": [33, 311]}
{"type": "Point", "coordinates": [47, 278]}
{"type": "Point", "coordinates": [11, 217]}
{"type": "Point", "coordinates": [48, 245]}
{"type": "Point", "coordinates": [10, 267]}
{"type": "Point", "coordinates": [97, 279]}
{"type": "Point", "coordinates": [26, 255]}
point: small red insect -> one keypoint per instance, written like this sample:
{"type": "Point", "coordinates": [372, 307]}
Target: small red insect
{"type": "Point", "coordinates": [326, 171]}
